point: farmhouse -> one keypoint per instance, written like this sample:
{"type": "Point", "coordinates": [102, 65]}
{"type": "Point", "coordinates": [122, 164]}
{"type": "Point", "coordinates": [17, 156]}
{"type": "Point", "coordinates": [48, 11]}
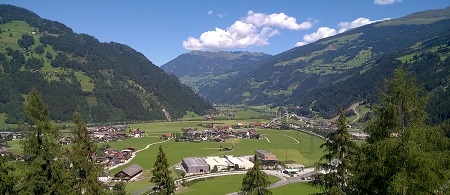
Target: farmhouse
{"type": "Point", "coordinates": [265, 156]}
{"type": "Point", "coordinates": [221, 163]}
{"type": "Point", "coordinates": [194, 165]}
{"type": "Point", "coordinates": [240, 162]}
{"type": "Point", "coordinates": [129, 173]}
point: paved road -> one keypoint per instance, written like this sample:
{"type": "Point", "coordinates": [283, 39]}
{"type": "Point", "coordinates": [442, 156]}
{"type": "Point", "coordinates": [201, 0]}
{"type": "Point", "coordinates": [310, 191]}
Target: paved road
{"type": "Point", "coordinates": [307, 172]}
{"type": "Point", "coordinates": [134, 155]}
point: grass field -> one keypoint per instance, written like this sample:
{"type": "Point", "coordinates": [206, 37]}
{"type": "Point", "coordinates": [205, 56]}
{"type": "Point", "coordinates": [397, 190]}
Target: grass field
{"type": "Point", "coordinates": [14, 146]}
{"type": "Point", "coordinates": [279, 141]}
{"type": "Point", "coordinates": [15, 29]}
{"type": "Point", "coordinates": [218, 185]}
{"type": "Point", "coordinates": [295, 188]}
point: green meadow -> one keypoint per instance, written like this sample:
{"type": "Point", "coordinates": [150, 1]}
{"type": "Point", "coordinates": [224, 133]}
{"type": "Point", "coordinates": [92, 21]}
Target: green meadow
{"type": "Point", "coordinates": [288, 145]}
{"type": "Point", "coordinates": [299, 188]}
{"type": "Point", "coordinates": [218, 185]}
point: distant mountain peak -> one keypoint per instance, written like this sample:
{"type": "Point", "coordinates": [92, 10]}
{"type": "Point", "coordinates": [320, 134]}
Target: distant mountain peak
{"type": "Point", "coordinates": [201, 63]}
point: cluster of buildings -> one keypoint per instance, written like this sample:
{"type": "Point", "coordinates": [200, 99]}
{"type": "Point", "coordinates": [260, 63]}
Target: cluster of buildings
{"type": "Point", "coordinates": [104, 134]}
{"type": "Point", "coordinates": [112, 157]}
{"type": "Point", "coordinates": [194, 165]}
{"type": "Point", "coordinates": [214, 133]}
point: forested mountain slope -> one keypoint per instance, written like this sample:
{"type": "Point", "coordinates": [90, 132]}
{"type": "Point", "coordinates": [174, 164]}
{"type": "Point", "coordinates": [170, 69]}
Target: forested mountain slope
{"type": "Point", "coordinates": [105, 81]}
{"type": "Point", "coordinates": [350, 67]}
{"type": "Point", "coordinates": [198, 69]}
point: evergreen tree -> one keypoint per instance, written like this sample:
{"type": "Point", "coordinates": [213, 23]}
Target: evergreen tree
{"type": "Point", "coordinates": [7, 180]}
{"type": "Point", "coordinates": [161, 174]}
{"type": "Point", "coordinates": [403, 155]}
{"type": "Point", "coordinates": [47, 172]}
{"type": "Point", "coordinates": [84, 171]}
{"type": "Point", "coordinates": [119, 188]}
{"type": "Point", "coordinates": [255, 181]}
{"type": "Point", "coordinates": [338, 160]}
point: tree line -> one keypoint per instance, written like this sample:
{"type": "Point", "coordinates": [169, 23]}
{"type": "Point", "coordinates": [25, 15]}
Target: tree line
{"type": "Point", "coordinates": [403, 155]}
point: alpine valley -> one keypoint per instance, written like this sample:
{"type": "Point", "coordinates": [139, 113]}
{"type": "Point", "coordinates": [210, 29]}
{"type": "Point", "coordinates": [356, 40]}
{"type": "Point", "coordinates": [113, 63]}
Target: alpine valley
{"type": "Point", "coordinates": [106, 82]}
{"type": "Point", "coordinates": [337, 71]}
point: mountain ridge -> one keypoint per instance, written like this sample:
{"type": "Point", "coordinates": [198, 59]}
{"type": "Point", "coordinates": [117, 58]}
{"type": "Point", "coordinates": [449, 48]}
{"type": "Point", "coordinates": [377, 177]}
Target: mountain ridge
{"type": "Point", "coordinates": [105, 81]}
{"type": "Point", "coordinates": [303, 75]}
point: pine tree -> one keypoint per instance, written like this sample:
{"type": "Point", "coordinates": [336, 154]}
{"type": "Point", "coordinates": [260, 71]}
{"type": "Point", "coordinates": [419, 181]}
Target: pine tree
{"type": "Point", "coordinates": [338, 160]}
{"type": "Point", "coordinates": [255, 181]}
{"type": "Point", "coordinates": [161, 174]}
{"type": "Point", "coordinates": [84, 171]}
{"type": "Point", "coordinates": [119, 188]}
{"type": "Point", "coordinates": [47, 172]}
{"type": "Point", "coordinates": [403, 155]}
{"type": "Point", "coordinates": [7, 180]}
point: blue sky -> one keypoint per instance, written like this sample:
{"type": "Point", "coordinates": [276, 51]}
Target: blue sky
{"type": "Point", "coordinates": [162, 30]}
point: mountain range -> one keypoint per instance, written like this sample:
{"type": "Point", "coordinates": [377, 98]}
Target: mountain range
{"type": "Point", "coordinates": [198, 69]}
{"type": "Point", "coordinates": [106, 82]}
{"type": "Point", "coordinates": [341, 70]}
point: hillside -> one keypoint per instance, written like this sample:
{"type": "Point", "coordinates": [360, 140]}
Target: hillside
{"type": "Point", "coordinates": [198, 69]}
{"type": "Point", "coordinates": [349, 67]}
{"type": "Point", "coordinates": [105, 81]}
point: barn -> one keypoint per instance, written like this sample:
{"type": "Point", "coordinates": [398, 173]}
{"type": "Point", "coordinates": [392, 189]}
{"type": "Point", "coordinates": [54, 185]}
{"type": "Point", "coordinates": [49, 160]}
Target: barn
{"type": "Point", "coordinates": [129, 173]}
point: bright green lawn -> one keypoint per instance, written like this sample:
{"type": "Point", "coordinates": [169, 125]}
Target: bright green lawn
{"type": "Point", "coordinates": [16, 29]}
{"type": "Point", "coordinates": [14, 146]}
{"type": "Point", "coordinates": [175, 151]}
{"type": "Point", "coordinates": [218, 185]}
{"type": "Point", "coordinates": [85, 81]}
{"type": "Point", "coordinates": [295, 188]}
{"type": "Point", "coordinates": [192, 116]}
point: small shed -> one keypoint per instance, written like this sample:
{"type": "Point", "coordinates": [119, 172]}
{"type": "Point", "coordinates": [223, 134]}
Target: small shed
{"type": "Point", "coordinates": [129, 173]}
{"type": "Point", "coordinates": [194, 165]}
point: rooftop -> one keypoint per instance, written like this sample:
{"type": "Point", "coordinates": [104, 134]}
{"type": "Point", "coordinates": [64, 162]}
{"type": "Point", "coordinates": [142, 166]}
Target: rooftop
{"type": "Point", "coordinates": [132, 170]}
{"type": "Point", "coordinates": [193, 161]}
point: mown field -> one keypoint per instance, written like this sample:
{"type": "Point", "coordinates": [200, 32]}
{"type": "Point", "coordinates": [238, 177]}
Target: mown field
{"type": "Point", "coordinates": [288, 145]}
{"type": "Point", "coordinates": [218, 185]}
{"type": "Point", "coordinates": [284, 143]}
{"type": "Point", "coordinates": [299, 188]}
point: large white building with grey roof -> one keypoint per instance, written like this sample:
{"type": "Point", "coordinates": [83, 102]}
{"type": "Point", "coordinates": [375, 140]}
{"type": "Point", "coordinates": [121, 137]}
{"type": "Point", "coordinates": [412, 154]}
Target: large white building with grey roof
{"type": "Point", "coordinates": [220, 163]}
{"type": "Point", "coordinates": [240, 162]}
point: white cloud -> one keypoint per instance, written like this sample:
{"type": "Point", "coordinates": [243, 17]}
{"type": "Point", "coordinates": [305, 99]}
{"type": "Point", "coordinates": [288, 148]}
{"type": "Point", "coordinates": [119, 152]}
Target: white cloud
{"type": "Point", "coordinates": [253, 30]}
{"type": "Point", "coordinates": [220, 15]}
{"type": "Point", "coordinates": [344, 26]}
{"type": "Point", "coordinates": [238, 35]}
{"type": "Point", "coordinates": [210, 12]}
{"type": "Point", "coordinates": [280, 20]}
{"type": "Point", "coordinates": [386, 2]}
{"type": "Point", "coordinates": [324, 32]}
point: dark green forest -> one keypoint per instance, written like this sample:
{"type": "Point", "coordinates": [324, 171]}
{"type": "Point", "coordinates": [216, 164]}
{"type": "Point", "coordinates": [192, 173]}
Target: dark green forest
{"type": "Point", "coordinates": [58, 62]}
